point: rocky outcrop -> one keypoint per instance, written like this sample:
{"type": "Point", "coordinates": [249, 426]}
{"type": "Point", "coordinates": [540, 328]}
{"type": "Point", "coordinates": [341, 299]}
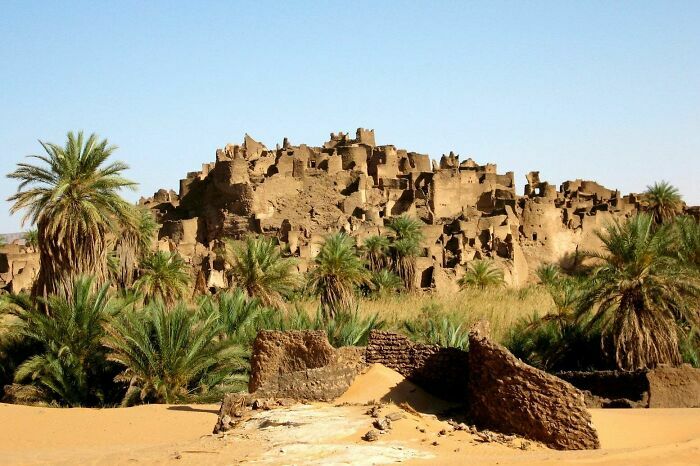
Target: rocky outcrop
{"type": "Point", "coordinates": [441, 371]}
{"type": "Point", "coordinates": [301, 365]}
{"type": "Point", "coordinates": [507, 395]}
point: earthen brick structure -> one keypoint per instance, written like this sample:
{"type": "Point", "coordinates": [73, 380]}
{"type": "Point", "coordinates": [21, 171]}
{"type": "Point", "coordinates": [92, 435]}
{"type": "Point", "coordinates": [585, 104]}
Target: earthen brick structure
{"type": "Point", "coordinates": [298, 194]}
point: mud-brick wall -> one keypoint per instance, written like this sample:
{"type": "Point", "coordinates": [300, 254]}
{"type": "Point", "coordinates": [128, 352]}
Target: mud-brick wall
{"type": "Point", "coordinates": [442, 371]}
{"type": "Point", "coordinates": [662, 387]}
{"type": "Point", "coordinates": [301, 365]}
{"type": "Point", "coordinates": [612, 385]}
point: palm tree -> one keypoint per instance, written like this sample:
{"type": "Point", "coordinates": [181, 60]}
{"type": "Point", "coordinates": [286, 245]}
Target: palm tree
{"type": "Point", "coordinates": [168, 353]}
{"type": "Point", "coordinates": [481, 274]}
{"type": "Point", "coordinates": [638, 292]}
{"type": "Point", "coordinates": [375, 250]}
{"type": "Point", "coordinates": [74, 201]}
{"type": "Point", "coordinates": [548, 274]}
{"type": "Point", "coordinates": [133, 244]}
{"type": "Point", "coordinates": [385, 282]}
{"type": "Point", "coordinates": [31, 239]}
{"type": "Point", "coordinates": [14, 348]}
{"type": "Point", "coordinates": [664, 201]}
{"type": "Point", "coordinates": [237, 313]}
{"type": "Point", "coordinates": [70, 368]}
{"type": "Point", "coordinates": [259, 269]}
{"type": "Point", "coordinates": [686, 230]}
{"type": "Point", "coordinates": [405, 247]}
{"type": "Point", "coordinates": [163, 276]}
{"type": "Point", "coordinates": [338, 273]}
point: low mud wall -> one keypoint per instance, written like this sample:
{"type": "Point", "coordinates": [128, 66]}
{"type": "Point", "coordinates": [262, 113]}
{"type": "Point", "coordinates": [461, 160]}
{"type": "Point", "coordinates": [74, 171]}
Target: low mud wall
{"type": "Point", "coordinates": [499, 391]}
{"type": "Point", "coordinates": [441, 371]}
{"type": "Point", "coordinates": [608, 386]}
{"type": "Point", "coordinates": [301, 365]}
{"type": "Point", "coordinates": [662, 387]}
{"type": "Point", "coordinates": [674, 387]}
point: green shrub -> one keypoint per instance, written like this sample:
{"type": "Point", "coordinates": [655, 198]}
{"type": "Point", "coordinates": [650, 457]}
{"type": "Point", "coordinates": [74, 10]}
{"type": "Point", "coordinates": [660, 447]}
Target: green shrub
{"type": "Point", "coordinates": [442, 331]}
{"type": "Point", "coordinates": [345, 329]}
{"type": "Point", "coordinates": [70, 367]}
{"type": "Point", "coordinates": [556, 345]}
{"type": "Point", "coordinates": [167, 355]}
{"type": "Point", "coordinates": [689, 344]}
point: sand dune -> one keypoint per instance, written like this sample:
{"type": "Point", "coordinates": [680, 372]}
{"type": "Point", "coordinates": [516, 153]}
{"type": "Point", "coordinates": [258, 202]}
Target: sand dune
{"type": "Point", "coordinates": [160, 434]}
{"type": "Point", "coordinates": [324, 434]}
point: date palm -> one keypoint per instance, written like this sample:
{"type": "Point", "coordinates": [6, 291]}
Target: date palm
{"type": "Point", "coordinates": [133, 245]}
{"type": "Point", "coordinates": [664, 200]}
{"type": "Point", "coordinates": [375, 249]}
{"type": "Point", "coordinates": [259, 269]}
{"type": "Point", "coordinates": [337, 273]}
{"type": "Point", "coordinates": [163, 276]}
{"type": "Point", "coordinates": [405, 247]}
{"type": "Point", "coordinates": [481, 274]}
{"type": "Point", "coordinates": [73, 199]}
{"type": "Point", "coordinates": [70, 366]}
{"type": "Point", "coordinates": [638, 293]}
{"type": "Point", "coordinates": [166, 354]}
{"type": "Point", "coordinates": [548, 274]}
{"type": "Point", "coordinates": [385, 283]}
{"type": "Point", "coordinates": [686, 231]}
{"type": "Point", "coordinates": [31, 239]}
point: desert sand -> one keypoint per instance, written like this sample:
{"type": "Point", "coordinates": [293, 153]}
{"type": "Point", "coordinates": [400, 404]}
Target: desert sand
{"type": "Point", "coordinates": [325, 434]}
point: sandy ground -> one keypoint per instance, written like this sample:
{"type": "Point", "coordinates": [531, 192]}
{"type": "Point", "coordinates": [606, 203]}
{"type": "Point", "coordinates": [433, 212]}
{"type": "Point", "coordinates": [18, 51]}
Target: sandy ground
{"type": "Point", "coordinates": [325, 434]}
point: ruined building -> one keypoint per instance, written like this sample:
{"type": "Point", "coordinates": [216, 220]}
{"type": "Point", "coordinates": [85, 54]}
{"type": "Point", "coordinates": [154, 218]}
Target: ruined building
{"type": "Point", "coordinates": [298, 194]}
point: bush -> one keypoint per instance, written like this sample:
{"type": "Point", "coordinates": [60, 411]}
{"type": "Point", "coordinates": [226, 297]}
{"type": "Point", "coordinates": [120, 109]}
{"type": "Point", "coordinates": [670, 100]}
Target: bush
{"type": "Point", "coordinates": [554, 345]}
{"type": "Point", "coordinates": [70, 366]}
{"type": "Point", "coordinates": [444, 332]}
{"type": "Point", "coordinates": [345, 329]}
{"type": "Point", "coordinates": [689, 344]}
{"type": "Point", "coordinates": [166, 355]}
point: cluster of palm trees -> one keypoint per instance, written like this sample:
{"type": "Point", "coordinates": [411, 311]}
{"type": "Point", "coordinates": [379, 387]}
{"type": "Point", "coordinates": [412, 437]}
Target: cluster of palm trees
{"type": "Point", "coordinates": [107, 308]}
{"type": "Point", "coordinates": [638, 299]}
{"type": "Point", "coordinates": [341, 271]}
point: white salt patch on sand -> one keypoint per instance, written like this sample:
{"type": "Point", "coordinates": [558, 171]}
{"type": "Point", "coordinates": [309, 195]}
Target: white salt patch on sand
{"type": "Point", "coordinates": [318, 434]}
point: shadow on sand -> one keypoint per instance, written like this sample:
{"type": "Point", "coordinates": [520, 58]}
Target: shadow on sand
{"type": "Point", "coordinates": [191, 409]}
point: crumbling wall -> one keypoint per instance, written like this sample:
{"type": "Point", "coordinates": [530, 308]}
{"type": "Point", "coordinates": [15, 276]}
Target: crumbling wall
{"type": "Point", "coordinates": [441, 371]}
{"type": "Point", "coordinates": [301, 365]}
{"type": "Point", "coordinates": [611, 385]}
{"type": "Point", "coordinates": [674, 387]}
{"type": "Point", "coordinates": [19, 266]}
{"type": "Point", "coordinates": [509, 396]}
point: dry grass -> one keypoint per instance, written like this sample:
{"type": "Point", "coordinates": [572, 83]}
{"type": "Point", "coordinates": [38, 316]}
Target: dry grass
{"type": "Point", "coordinates": [501, 307]}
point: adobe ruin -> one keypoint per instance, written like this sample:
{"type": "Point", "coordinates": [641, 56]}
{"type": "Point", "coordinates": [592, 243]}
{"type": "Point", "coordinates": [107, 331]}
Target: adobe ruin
{"type": "Point", "coordinates": [298, 194]}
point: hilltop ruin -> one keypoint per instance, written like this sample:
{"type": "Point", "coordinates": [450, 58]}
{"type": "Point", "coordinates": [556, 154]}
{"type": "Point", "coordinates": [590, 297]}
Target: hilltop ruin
{"type": "Point", "coordinates": [298, 194]}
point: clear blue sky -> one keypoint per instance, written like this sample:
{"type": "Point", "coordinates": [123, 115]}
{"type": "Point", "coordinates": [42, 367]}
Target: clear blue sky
{"type": "Point", "coordinates": [597, 90]}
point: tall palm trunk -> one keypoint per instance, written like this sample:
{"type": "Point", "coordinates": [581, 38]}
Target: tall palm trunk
{"type": "Point", "coordinates": [61, 262]}
{"type": "Point", "coordinates": [405, 268]}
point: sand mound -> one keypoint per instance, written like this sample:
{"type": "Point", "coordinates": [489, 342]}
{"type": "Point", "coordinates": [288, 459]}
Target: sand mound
{"type": "Point", "coordinates": [380, 383]}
